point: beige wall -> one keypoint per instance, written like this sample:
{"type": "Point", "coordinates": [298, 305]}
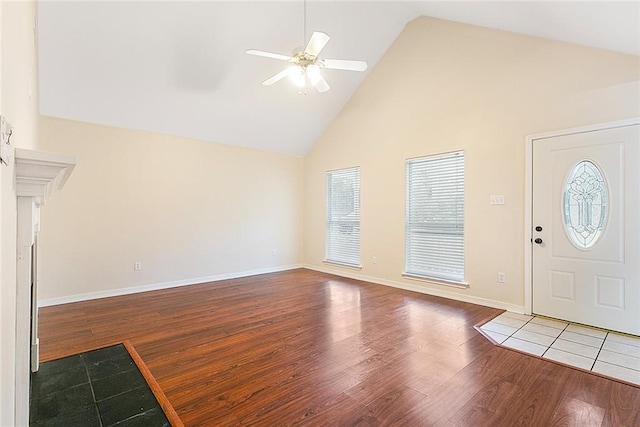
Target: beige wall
{"type": "Point", "coordinates": [187, 210]}
{"type": "Point", "coordinates": [18, 103]}
{"type": "Point", "coordinates": [444, 86]}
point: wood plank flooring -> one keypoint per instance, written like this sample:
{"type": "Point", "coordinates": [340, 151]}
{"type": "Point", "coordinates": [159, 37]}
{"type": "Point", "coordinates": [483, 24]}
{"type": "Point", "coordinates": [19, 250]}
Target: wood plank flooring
{"type": "Point", "coordinates": [302, 347]}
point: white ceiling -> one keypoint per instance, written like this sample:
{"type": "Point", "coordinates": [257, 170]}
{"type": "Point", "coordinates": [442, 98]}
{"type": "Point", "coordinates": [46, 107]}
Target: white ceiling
{"type": "Point", "coordinates": [180, 68]}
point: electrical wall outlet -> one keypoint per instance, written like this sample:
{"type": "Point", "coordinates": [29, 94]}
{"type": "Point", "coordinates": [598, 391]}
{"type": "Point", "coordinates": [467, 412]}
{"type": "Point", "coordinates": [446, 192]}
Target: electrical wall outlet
{"type": "Point", "coordinates": [501, 278]}
{"type": "Point", "coordinates": [137, 266]}
{"type": "Point", "coordinates": [374, 260]}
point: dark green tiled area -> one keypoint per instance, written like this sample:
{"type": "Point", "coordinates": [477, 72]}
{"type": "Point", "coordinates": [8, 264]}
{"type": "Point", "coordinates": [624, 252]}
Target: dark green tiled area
{"type": "Point", "coordinates": [99, 388]}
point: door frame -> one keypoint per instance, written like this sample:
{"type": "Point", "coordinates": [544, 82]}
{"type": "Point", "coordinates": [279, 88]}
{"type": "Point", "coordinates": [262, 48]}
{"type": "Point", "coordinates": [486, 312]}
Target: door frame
{"type": "Point", "coordinates": [528, 197]}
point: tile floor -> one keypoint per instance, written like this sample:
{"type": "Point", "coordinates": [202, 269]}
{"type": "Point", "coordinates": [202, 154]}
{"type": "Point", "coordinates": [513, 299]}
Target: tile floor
{"type": "Point", "coordinates": [99, 388]}
{"type": "Point", "coordinates": [605, 352]}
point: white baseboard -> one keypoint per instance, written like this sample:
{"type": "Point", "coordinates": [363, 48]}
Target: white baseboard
{"type": "Point", "coordinates": [156, 286]}
{"type": "Point", "coordinates": [345, 273]}
{"type": "Point", "coordinates": [422, 289]}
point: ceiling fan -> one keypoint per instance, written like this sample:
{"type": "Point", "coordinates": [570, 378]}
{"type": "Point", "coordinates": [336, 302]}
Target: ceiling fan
{"type": "Point", "coordinates": [306, 65]}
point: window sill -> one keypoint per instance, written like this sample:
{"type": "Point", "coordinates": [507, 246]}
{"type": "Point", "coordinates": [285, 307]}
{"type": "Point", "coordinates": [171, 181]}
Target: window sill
{"type": "Point", "coordinates": [444, 282]}
{"type": "Point", "coordinates": [342, 264]}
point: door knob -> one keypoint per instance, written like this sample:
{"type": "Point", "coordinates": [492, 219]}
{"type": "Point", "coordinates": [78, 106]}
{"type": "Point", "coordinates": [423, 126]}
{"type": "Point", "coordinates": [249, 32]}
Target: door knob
{"type": "Point", "coordinates": [538, 241]}
{"type": "Point", "coordinates": [538, 228]}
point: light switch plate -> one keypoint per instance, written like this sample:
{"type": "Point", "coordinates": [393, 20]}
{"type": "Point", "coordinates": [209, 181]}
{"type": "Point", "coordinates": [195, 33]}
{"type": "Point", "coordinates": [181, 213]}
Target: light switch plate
{"type": "Point", "coordinates": [496, 200]}
{"type": "Point", "coordinates": [5, 141]}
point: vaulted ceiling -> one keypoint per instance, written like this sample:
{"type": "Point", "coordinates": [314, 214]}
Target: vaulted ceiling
{"type": "Point", "coordinates": [180, 68]}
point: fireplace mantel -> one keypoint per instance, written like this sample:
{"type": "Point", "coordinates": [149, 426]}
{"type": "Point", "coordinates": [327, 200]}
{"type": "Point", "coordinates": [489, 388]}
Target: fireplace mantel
{"type": "Point", "coordinates": [39, 173]}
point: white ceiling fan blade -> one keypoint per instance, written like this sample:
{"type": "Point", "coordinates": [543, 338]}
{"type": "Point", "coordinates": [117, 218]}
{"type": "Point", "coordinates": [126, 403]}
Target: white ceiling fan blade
{"type": "Point", "coordinates": [343, 64]}
{"type": "Point", "coordinates": [317, 42]}
{"type": "Point", "coordinates": [273, 79]}
{"type": "Point", "coordinates": [321, 84]}
{"type": "Point", "coordinates": [269, 54]}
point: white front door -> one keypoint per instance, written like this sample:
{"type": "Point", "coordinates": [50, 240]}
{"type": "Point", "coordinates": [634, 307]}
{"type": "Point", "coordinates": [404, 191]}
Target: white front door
{"type": "Point", "coordinates": [586, 237]}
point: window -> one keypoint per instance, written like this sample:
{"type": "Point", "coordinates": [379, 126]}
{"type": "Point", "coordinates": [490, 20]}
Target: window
{"type": "Point", "coordinates": [434, 236]}
{"type": "Point", "coordinates": [343, 216]}
{"type": "Point", "coordinates": [584, 199]}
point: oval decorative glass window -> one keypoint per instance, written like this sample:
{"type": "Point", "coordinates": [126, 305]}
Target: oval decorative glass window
{"type": "Point", "coordinates": [585, 199]}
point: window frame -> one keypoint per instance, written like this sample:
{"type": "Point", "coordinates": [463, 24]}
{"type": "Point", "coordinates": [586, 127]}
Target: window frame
{"type": "Point", "coordinates": [451, 228]}
{"type": "Point", "coordinates": [331, 246]}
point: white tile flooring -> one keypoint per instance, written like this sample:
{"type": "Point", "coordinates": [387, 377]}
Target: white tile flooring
{"type": "Point", "coordinates": [605, 352]}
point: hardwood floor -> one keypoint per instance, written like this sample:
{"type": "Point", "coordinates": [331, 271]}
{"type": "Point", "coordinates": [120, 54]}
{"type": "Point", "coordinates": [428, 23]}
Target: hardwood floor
{"type": "Point", "coordinates": [302, 347]}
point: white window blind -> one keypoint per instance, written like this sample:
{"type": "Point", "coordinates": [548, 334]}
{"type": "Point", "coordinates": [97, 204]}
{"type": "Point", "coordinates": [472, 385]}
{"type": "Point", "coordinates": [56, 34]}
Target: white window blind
{"type": "Point", "coordinates": [435, 217]}
{"type": "Point", "coordinates": [343, 216]}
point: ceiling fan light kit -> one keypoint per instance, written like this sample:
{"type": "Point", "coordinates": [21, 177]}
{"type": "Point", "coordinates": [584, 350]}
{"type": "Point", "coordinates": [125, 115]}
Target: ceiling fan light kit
{"type": "Point", "coordinates": [306, 66]}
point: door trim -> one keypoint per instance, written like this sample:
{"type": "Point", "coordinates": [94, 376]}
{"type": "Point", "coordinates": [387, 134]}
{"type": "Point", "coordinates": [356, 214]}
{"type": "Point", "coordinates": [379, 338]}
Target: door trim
{"type": "Point", "coordinates": [528, 196]}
